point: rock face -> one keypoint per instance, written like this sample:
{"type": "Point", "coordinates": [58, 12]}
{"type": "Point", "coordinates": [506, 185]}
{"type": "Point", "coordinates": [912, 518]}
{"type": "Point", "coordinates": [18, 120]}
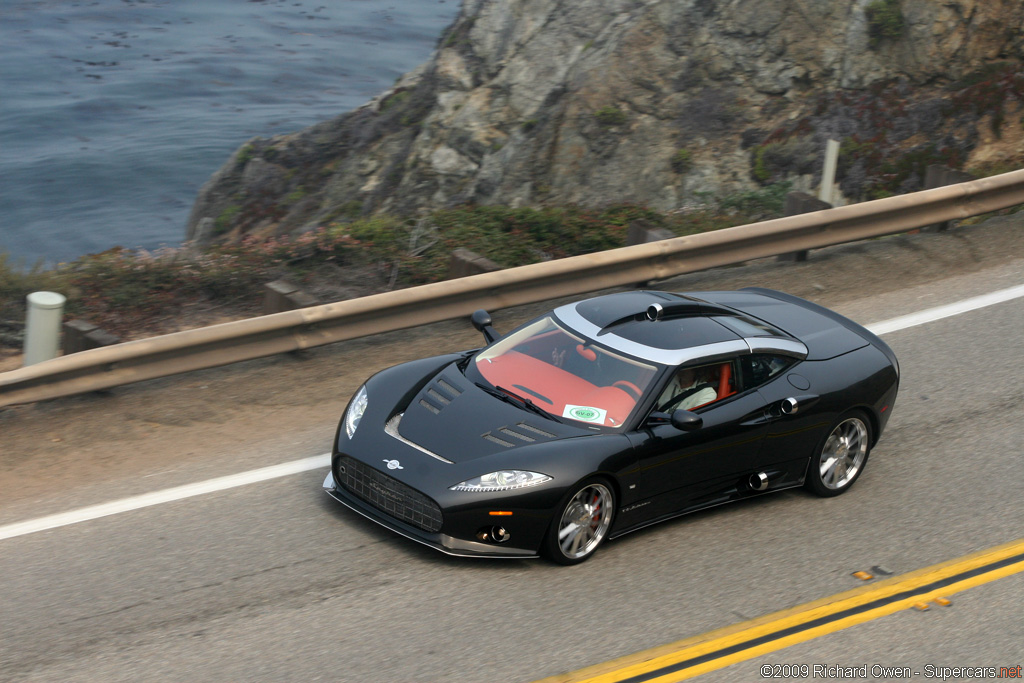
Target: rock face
{"type": "Point", "coordinates": [527, 102]}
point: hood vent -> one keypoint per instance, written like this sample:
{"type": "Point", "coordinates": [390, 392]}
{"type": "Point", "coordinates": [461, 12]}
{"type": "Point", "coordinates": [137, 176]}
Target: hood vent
{"type": "Point", "coordinates": [441, 394]}
{"type": "Point", "coordinates": [522, 437]}
{"type": "Point", "coordinates": [535, 430]}
{"type": "Point", "coordinates": [438, 396]}
{"type": "Point", "coordinates": [501, 442]}
{"type": "Point", "coordinates": [446, 387]}
{"type": "Point", "coordinates": [430, 406]}
{"type": "Point", "coordinates": [518, 434]}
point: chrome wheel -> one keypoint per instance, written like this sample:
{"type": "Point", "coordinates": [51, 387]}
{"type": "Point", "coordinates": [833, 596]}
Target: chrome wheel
{"type": "Point", "coordinates": [585, 522]}
{"type": "Point", "coordinates": [843, 454]}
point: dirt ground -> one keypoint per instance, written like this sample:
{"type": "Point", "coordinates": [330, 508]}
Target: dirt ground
{"type": "Point", "coordinates": [225, 412]}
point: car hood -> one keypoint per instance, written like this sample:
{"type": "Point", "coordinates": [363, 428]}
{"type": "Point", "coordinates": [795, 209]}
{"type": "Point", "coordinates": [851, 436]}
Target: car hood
{"type": "Point", "coordinates": [453, 418]}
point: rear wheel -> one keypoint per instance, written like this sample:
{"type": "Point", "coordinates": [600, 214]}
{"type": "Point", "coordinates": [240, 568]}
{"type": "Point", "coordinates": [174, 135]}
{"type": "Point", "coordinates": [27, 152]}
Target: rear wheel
{"type": "Point", "coordinates": [581, 523]}
{"type": "Point", "coordinates": [842, 457]}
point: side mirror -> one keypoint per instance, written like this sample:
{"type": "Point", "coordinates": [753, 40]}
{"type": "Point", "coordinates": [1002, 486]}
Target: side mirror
{"type": "Point", "coordinates": [683, 420]}
{"type": "Point", "coordinates": [686, 421]}
{"type": "Point", "coordinates": [481, 320]}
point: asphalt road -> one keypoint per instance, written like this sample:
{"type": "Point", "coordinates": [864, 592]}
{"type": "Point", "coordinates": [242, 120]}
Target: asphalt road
{"type": "Point", "coordinates": [273, 581]}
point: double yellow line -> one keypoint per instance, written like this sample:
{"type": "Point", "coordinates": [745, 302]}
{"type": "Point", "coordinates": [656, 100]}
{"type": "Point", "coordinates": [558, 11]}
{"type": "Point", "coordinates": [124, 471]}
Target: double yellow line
{"type": "Point", "coordinates": [740, 642]}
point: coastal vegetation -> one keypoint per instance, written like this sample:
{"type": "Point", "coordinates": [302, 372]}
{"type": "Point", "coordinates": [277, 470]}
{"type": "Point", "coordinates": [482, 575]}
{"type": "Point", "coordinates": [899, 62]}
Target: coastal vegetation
{"type": "Point", "coordinates": [132, 292]}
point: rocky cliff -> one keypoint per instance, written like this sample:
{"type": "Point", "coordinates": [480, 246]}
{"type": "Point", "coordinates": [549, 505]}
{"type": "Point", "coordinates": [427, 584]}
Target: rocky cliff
{"type": "Point", "coordinates": [657, 102]}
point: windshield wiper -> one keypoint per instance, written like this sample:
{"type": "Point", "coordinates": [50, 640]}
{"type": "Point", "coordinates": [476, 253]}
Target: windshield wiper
{"type": "Point", "coordinates": [529, 404]}
{"type": "Point", "coordinates": [517, 400]}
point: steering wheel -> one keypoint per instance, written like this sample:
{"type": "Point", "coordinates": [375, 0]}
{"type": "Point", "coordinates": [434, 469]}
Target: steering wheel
{"type": "Point", "coordinates": [630, 388]}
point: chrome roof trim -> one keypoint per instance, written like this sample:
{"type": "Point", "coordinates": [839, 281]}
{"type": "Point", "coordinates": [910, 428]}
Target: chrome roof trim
{"type": "Point", "coordinates": [710, 352]}
{"type": "Point", "coordinates": [784, 347]}
{"type": "Point", "coordinates": [707, 352]}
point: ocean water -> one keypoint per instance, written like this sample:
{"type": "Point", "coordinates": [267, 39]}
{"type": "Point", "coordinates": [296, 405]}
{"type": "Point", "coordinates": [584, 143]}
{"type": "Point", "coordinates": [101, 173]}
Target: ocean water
{"type": "Point", "coordinates": [113, 113]}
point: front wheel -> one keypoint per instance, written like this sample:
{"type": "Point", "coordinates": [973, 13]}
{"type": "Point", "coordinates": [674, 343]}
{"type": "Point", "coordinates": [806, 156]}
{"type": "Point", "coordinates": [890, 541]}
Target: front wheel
{"type": "Point", "coordinates": [581, 523]}
{"type": "Point", "coordinates": [842, 456]}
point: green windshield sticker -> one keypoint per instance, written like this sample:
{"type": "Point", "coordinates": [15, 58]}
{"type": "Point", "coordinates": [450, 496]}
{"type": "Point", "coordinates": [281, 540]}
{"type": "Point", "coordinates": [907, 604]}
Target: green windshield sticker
{"type": "Point", "coordinates": [585, 414]}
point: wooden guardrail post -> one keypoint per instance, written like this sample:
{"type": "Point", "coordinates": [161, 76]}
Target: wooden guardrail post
{"type": "Point", "coordinates": [642, 232]}
{"type": "Point", "coordinates": [939, 176]}
{"type": "Point", "coordinates": [796, 204]}
{"type": "Point", "coordinates": [464, 263]}
{"type": "Point", "coordinates": [282, 295]}
{"type": "Point", "coordinates": [80, 335]}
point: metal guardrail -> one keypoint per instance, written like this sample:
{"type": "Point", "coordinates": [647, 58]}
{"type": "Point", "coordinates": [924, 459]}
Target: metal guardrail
{"type": "Point", "coordinates": [305, 328]}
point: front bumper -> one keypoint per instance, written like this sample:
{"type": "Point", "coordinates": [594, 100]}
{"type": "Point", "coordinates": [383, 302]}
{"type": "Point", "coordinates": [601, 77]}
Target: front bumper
{"type": "Point", "coordinates": [438, 541]}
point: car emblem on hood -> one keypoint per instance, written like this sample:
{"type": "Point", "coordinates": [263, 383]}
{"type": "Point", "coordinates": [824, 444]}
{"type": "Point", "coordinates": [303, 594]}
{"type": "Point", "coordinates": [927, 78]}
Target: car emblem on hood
{"type": "Point", "coordinates": [393, 464]}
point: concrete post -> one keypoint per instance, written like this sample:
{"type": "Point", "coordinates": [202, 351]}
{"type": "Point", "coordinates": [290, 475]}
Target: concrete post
{"type": "Point", "coordinates": [42, 326]}
{"type": "Point", "coordinates": [828, 174]}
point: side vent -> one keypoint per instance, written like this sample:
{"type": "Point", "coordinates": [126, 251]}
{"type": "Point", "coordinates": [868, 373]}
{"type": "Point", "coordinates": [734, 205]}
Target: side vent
{"type": "Point", "coordinates": [430, 406]}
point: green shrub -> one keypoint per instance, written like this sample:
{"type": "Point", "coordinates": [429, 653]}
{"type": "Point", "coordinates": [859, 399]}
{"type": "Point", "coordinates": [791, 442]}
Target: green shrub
{"type": "Point", "coordinates": [226, 219]}
{"type": "Point", "coordinates": [394, 100]}
{"type": "Point", "coordinates": [682, 161]}
{"type": "Point", "coordinates": [295, 196]}
{"type": "Point", "coordinates": [885, 20]}
{"type": "Point", "coordinates": [760, 168]}
{"type": "Point", "coordinates": [245, 154]}
{"type": "Point", "coordinates": [610, 116]}
{"type": "Point", "coordinates": [758, 205]}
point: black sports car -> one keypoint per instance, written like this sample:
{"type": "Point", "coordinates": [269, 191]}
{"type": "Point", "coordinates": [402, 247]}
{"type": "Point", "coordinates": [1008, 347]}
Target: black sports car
{"type": "Point", "coordinates": [611, 414]}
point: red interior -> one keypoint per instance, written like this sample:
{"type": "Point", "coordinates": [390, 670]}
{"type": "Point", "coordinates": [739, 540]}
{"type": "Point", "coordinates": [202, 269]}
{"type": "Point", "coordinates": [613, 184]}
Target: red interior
{"type": "Point", "coordinates": [556, 384]}
{"type": "Point", "coordinates": [725, 381]}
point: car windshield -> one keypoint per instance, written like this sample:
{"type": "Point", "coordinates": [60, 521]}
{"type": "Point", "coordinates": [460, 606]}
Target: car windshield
{"type": "Point", "coordinates": [566, 374]}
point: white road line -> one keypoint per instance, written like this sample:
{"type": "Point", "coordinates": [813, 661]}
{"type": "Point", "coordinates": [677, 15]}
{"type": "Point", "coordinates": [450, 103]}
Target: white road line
{"type": "Point", "coordinates": [319, 461]}
{"type": "Point", "coordinates": [166, 496]}
{"type": "Point", "coordinates": [947, 311]}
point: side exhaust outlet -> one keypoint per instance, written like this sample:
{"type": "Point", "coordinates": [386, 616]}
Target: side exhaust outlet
{"type": "Point", "coordinates": [758, 482]}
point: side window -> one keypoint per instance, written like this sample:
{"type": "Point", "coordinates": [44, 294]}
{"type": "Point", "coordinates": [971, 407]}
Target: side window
{"type": "Point", "coordinates": [760, 367]}
{"type": "Point", "coordinates": [696, 386]}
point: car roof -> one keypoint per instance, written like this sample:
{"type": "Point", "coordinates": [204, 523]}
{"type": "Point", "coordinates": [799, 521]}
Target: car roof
{"type": "Point", "coordinates": [674, 329]}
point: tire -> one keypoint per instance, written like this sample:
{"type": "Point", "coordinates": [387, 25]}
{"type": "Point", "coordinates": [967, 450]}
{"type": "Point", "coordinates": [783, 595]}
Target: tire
{"type": "Point", "coordinates": [581, 522]}
{"type": "Point", "coordinates": [841, 457]}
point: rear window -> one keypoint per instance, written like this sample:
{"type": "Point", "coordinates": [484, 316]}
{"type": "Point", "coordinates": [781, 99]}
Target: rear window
{"type": "Point", "coordinates": [749, 327]}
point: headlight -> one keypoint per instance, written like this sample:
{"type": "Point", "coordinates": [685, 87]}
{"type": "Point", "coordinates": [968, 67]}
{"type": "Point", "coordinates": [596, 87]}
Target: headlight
{"type": "Point", "coordinates": [505, 480]}
{"type": "Point", "coordinates": [355, 411]}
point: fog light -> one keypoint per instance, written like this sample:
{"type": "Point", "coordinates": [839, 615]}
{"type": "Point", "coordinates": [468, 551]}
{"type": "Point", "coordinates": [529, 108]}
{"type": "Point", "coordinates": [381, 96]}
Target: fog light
{"type": "Point", "coordinates": [493, 534]}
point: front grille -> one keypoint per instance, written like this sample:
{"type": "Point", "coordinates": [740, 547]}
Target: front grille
{"type": "Point", "coordinates": [388, 494]}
